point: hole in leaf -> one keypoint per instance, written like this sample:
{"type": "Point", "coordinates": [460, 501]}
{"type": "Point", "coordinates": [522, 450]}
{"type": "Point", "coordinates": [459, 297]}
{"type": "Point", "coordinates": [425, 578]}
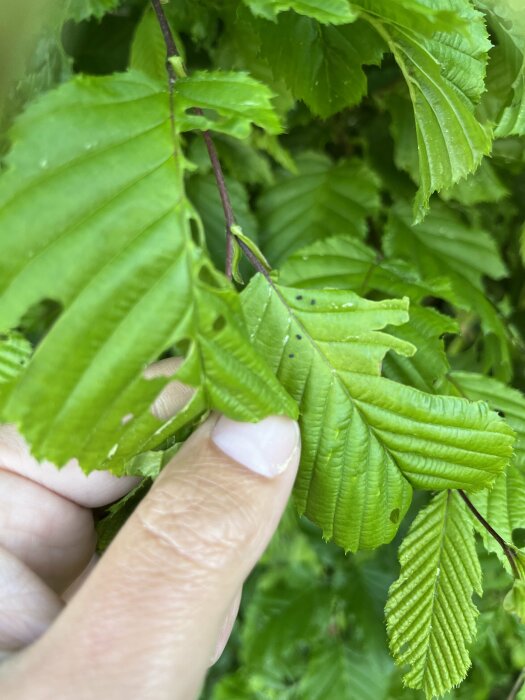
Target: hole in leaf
{"type": "Point", "coordinates": [219, 323]}
{"type": "Point", "coordinates": [206, 275]}
{"type": "Point", "coordinates": [518, 537]}
{"type": "Point", "coordinates": [126, 419]}
{"type": "Point", "coordinates": [195, 232]}
{"type": "Point", "coordinates": [394, 515]}
{"type": "Point", "coordinates": [39, 319]}
{"type": "Point", "coordinates": [183, 347]}
{"type": "Point", "coordinates": [500, 413]}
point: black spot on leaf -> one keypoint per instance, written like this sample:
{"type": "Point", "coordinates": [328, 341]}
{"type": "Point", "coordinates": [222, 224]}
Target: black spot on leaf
{"type": "Point", "coordinates": [518, 537]}
{"type": "Point", "coordinates": [219, 323]}
{"type": "Point", "coordinates": [394, 515]}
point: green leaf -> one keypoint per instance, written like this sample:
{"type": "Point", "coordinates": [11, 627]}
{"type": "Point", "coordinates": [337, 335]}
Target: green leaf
{"type": "Point", "coordinates": [79, 10]}
{"type": "Point", "coordinates": [15, 353]}
{"type": "Point", "coordinates": [336, 672]}
{"type": "Point", "coordinates": [240, 159]}
{"type": "Point", "coordinates": [276, 624]}
{"type": "Point", "coordinates": [238, 99]}
{"type": "Point", "coordinates": [427, 368]}
{"type": "Point", "coordinates": [97, 220]}
{"type": "Point", "coordinates": [366, 440]}
{"type": "Point", "coordinates": [148, 50]}
{"type": "Point", "coordinates": [321, 200]}
{"type": "Point", "coordinates": [506, 74]}
{"type": "Point", "coordinates": [504, 399]}
{"type": "Point", "coordinates": [484, 185]}
{"type": "Point", "coordinates": [422, 16]}
{"type": "Point", "coordinates": [202, 191]}
{"type": "Point", "coordinates": [327, 11]}
{"type": "Point", "coordinates": [321, 65]}
{"type": "Point", "coordinates": [346, 263]}
{"type": "Point", "coordinates": [515, 600]}
{"type": "Point", "coordinates": [504, 505]}
{"type": "Point", "coordinates": [431, 618]}
{"type": "Point", "coordinates": [445, 78]}
{"type": "Point", "coordinates": [444, 245]}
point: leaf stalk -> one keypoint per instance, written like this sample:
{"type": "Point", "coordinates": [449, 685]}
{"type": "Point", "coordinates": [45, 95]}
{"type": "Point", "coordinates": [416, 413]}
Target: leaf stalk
{"type": "Point", "coordinates": [507, 549]}
{"type": "Point", "coordinates": [229, 214]}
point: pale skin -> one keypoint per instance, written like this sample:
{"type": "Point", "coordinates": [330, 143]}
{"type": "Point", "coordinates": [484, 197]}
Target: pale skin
{"type": "Point", "coordinates": [149, 618]}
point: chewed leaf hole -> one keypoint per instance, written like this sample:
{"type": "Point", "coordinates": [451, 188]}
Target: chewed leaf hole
{"type": "Point", "coordinates": [195, 231]}
{"type": "Point", "coordinates": [38, 319]}
{"type": "Point", "coordinates": [518, 537]}
{"type": "Point", "coordinates": [219, 323]}
{"type": "Point", "coordinates": [206, 275]}
{"type": "Point", "coordinates": [394, 515]}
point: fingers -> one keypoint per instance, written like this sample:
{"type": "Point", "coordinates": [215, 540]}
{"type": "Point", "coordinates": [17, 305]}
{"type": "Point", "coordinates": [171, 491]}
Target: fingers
{"type": "Point", "coordinates": [149, 618]}
{"type": "Point", "coordinates": [54, 537]}
{"type": "Point", "coordinates": [92, 490]}
{"type": "Point", "coordinates": [27, 605]}
{"type": "Point", "coordinates": [99, 487]}
{"type": "Point", "coordinates": [174, 396]}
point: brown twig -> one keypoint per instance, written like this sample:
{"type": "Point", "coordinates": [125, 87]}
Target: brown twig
{"type": "Point", "coordinates": [488, 527]}
{"type": "Point", "coordinates": [227, 208]}
{"type": "Point", "coordinates": [517, 686]}
{"type": "Point", "coordinates": [229, 216]}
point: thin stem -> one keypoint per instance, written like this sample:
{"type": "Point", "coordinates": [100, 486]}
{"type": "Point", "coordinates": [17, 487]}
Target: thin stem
{"type": "Point", "coordinates": [488, 527]}
{"type": "Point", "coordinates": [256, 264]}
{"type": "Point", "coordinates": [227, 208]}
{"type": "Point", "coordinates": [517, 686]}
{"type": "Point", "coordinates": [171, 47]}
{"type": "Point", "coordinates": [229, 215]}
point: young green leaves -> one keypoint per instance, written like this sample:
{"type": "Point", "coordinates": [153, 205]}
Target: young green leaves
{"type": "Point", "coordinates": [441, 50]}
{"type": "Point", "coordinates": [329, 11]}
{"type": "Point", "coordinates": [236, 100]}
{"type": "Point", "coordinates": [444, 73]}
{"type": "Point", "coordinates": [366, 440]}
{"type": "Point", "coordinates": [430, 614]}
{"type": "Point", "coordinates": [322, 199]}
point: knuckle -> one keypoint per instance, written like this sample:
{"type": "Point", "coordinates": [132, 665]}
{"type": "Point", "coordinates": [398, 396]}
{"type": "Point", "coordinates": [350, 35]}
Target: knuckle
{"type": "Point", "coordinates": [198, 519]}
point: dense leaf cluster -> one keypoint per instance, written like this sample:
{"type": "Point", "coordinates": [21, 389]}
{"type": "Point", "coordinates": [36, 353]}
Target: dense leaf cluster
{"type": "Point", "coordinates": [374, 154]}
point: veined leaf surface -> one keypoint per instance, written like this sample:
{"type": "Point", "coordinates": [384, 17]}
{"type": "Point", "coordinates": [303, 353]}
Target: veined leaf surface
{"type": "Point", "coordinates": [324, 198]}
{"type": "Point", "coordinates": [327, 11]}
{"type": "Point", "coordinates": [366, 440]}
{"type": "Point", "coordinates": [431, 618]}
{"type": "Point", "coordinates": [444, 74]}
{"type": "Point", "coordinates": [114, 176]}
{"type": "Point", "coordinates": [503, 505]}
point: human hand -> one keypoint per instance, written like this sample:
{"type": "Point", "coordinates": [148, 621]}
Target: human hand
{"type": "Point", "coordinates": [157, 609]}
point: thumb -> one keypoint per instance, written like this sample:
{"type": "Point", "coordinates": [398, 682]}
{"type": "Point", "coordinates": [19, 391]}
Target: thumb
{"type": "Point", "coordinates": [148, 620]}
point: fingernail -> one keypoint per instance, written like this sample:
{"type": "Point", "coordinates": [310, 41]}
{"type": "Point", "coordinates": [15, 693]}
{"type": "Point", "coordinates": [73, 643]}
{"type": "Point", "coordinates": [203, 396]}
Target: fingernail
{"type": "Point", "coordinates": [267, 448]}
